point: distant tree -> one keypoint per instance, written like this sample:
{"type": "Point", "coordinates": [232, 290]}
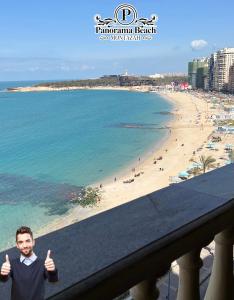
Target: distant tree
{"type": "Point", "coordinates": [117, 80]}
{"type": "Point", "coordinates": [195, 171]}
{"type": "Point", "coordinates": [88, 197]}
{"type": "Point", "coordinates": [206, 162]}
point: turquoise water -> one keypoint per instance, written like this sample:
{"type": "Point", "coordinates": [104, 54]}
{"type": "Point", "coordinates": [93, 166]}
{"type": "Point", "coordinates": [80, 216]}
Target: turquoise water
{"type": "Point", "coordinates": [52, 143]}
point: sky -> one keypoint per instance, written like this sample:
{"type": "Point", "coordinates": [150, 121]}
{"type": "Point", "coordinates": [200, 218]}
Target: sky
{"type": "Point", "coordinates": [56, 40]}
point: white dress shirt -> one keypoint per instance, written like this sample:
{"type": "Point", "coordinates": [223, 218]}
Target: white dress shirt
{"type": "Point", "coordinates": [28, 260]}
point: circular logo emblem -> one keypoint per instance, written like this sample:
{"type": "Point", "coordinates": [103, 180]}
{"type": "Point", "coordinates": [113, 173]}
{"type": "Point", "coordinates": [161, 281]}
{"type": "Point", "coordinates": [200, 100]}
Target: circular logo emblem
{"type": "Point", "coordinates": [125, 14]}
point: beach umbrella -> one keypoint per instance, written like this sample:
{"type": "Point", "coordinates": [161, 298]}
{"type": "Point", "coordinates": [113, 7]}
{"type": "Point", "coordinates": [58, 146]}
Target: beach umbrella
{"type": "Point", "coordinates": [196, 165]}
{"type": "Point", "coordinates": [183, 174]}
{"type": "Point", "coordinates": [190, 167]}
{"type": "Point", "coordinates": [193, 165]}
{"type": "Point", "coordinates": [210, 145]}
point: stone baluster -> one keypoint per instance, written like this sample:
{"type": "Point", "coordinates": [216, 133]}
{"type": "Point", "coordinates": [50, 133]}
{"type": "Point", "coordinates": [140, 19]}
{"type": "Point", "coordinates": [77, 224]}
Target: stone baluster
{"type": "Point", "coordinates": [145, 290]}
{"type": "Point", "coordinates": [221, 281]}
{"type": "Point", "coordinates": [189, 264]}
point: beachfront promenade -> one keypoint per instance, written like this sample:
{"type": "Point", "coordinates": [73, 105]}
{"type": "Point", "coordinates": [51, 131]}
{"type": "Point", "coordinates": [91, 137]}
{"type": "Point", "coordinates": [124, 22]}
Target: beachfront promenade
{"type": "Point", "coordinates": [130, 246]}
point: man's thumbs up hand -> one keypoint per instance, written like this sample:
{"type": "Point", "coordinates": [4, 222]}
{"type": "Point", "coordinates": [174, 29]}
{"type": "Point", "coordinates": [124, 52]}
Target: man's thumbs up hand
{"type": "Point", "coordinates": [6, 267]}
{"type": "Point", "coordinates": [49, 263]}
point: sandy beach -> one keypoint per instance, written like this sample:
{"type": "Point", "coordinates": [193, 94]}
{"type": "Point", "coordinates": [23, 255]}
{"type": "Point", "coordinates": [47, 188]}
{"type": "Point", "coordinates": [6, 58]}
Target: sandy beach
{"type": "Point", "coordinates": [188, 134]}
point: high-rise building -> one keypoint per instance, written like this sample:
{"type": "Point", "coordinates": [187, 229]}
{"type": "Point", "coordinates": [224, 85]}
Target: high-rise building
{"type": "Point", "coordinates": [224, 60]}
{"type": "Point", "coordinates": [202, 77]}
{"type": "Point", "coordinates": [192, 73]}
{"type": "Point", "coordinates": [231, 79]}
{"type": "Point", "coordinates": [198, 73]}
{"type": "Point", "coordinates": [212, 70]}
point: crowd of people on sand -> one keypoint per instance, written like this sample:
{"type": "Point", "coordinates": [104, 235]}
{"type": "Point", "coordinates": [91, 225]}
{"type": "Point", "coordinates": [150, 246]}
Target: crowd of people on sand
{"type": "Point", "coordinates": [130, 180]}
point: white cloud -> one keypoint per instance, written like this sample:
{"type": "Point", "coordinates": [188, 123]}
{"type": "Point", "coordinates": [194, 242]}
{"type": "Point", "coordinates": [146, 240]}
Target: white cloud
{"type": "Point", "coordinates": [65, 68]}
{"type": "Point", "coordinates": [198, 44]}
{"type": "Point", "coordinates": [86, 67]}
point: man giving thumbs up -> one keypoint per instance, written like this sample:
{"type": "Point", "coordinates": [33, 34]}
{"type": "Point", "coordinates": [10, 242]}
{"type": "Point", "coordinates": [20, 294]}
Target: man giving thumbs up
{"type": "Point", "coordinates": [28, 272]}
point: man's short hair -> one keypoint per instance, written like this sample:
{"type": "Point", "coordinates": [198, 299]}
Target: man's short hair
{"type": "Point", "coordinates": [22, 230]}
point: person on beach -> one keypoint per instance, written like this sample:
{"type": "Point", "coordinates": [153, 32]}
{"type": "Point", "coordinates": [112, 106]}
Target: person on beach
{"type": "Point", "coordinates": [28, 272]}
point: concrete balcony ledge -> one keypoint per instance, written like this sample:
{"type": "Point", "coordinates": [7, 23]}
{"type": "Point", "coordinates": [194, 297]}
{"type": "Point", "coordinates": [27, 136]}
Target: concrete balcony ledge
{"type": "Point", "coordinates": [107, 254]}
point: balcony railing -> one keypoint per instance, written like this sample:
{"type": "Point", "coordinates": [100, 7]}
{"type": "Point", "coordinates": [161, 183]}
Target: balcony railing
{"type": "Point", "coordinates": [130, 246]}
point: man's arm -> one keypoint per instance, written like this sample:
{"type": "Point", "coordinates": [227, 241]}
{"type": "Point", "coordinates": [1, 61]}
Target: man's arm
{"type": "Point", "coordinates": [51, 271]}
{"type": "Point", "coordinates": [4, 278]}
{"type": "Point", "coordinates": [52, 275]}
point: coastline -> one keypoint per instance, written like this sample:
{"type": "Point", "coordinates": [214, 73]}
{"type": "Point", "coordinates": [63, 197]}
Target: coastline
{"type": "Point", "coordinates": [74, 88]}
{"type": "Point", "coordinates": [189, 129]}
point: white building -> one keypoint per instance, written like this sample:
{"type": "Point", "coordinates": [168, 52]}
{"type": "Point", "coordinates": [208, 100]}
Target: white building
{"type": "Point", "coordinates": [224, 60]}
{"type": "Point", "coordinates": [156, 76]}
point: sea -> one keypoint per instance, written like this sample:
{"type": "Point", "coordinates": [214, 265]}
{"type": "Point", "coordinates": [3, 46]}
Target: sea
{"type": "Point", "coordinates": [55, 143]}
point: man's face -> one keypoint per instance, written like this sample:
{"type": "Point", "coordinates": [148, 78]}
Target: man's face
{"type": "Point", "coordinates": [25, 244]}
